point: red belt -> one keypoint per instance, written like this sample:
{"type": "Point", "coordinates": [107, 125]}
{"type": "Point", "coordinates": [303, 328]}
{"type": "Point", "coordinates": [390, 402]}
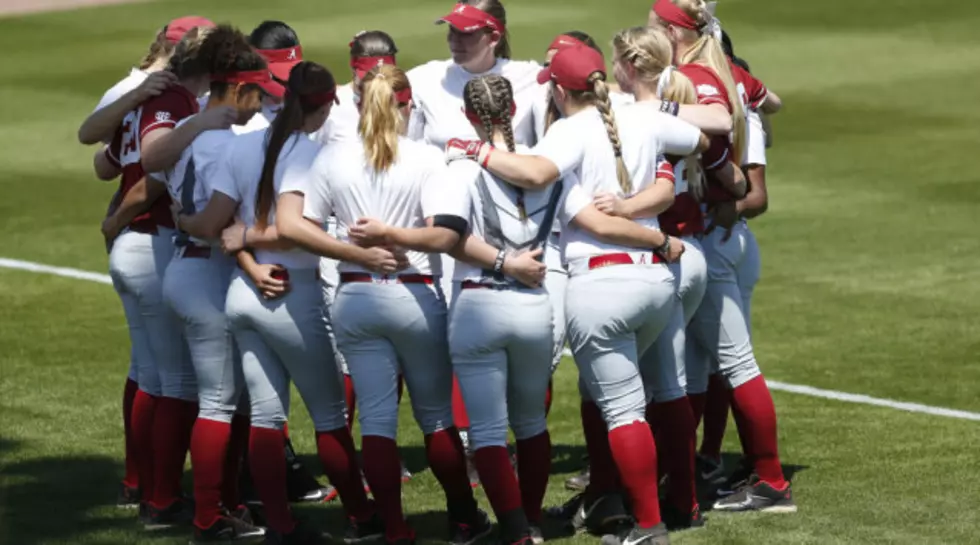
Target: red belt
{"type": "Point", "coordinates": [400, 278]}
{"type": "Point", "coordinates": [201, 252]}
{"type": "Point", "coordinates": [470, 285]}
{"type": "Point", "coordinates": [599, 261]}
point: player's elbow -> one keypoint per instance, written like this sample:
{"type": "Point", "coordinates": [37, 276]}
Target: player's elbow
{"type": "Point", "coordinates": [286, 227]}
{"type": "Point", "coordinates": [86, 138]}
{"type": "Point", "coordinates": [772, 104]}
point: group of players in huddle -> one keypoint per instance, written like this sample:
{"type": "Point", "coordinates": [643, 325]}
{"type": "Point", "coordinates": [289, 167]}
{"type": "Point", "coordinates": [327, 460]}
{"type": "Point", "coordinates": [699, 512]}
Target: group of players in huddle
{"type": "Point", "coordinates": [450, 228]}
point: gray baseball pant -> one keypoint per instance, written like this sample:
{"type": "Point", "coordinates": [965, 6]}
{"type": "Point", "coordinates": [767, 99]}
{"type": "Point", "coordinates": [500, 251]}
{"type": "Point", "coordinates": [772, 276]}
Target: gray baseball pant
{"type": "Point", "coordinates": [556, 282]}
{"type": "Point", "coordinates": [500, 342]}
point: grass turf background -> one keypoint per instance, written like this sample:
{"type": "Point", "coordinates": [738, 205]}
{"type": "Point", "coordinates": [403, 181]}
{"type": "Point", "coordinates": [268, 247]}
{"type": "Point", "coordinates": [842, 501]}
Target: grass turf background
{"type": "Point", "coordinates": [869, 260]}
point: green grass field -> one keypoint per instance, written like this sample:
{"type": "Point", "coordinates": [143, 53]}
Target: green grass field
{"type": "Point", "coordinates": [870, 281]}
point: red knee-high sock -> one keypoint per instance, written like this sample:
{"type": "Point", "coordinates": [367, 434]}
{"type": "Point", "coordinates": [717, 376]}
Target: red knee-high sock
{"type": "Point", "coordinates": [460, 418]}
{"type": "Point", "coordinates": [172, 426]}
{"type": "Point", "coordinates": [401, 387]}
{"type": "Point", "coordinates": [132, 477]}
{"type": "Point", "coordinates": [267, 460]}
{"type": "Point", "coordinates": [697, 402]}
{"type": "Point", "coordinates": [499, 481]}
{"type": "Point", "coordinates": [447, 458]}
{"type": "Point", "coordinates": [237, 446]}
{"type": "Point", "coordinates": [533, 469]}
{"type": "Point", "coordinates": [715, 417]}
{"type": "Point", "coordinates": [675, 438]}
{"type": "Point", "coordinates": [383, 473]}
{"type": "Point", "coordinates": [603, 478]}
{"type": "Point", "coordinates": [351, 399]}
{"type": "Point", "coordinates": [336, 451]}
{"type": "Point", "coordinates": [144, 414]}
{"type": "Point", "coordinates": [756, 418]}
{"type": "Point", "coordinates": [635, 453]}
{"type": "Point", "coordinates": [548, 397]}
{"type": "Point", "coordinates": [209, 449]}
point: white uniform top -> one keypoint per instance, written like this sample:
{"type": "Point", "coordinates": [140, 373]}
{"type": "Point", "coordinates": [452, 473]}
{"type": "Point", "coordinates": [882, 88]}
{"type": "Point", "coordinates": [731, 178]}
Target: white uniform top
{"type": "Point", "coordinates": [258, 122]}
{"type": "Point", "coordinates": [755, 149]}
{"type": "Point", "coordinates": [415, 187]}
{"type": "Point", "coordinates": [341, 126]}
{"type": "Point", "coordinates": [238, 177]}
{"type": "Point", "coordinates": [190, 181]}
{"type": "Point", "coordinates": [490, 206]}
{"type": "Point", "coordinates": [616, 98]}
{"type": "Point", "coordinates": [123, 86]}
{"type": "Point", "coordinates": [580, 148]}
{"type": "Point", "coordinates": [437, 90]}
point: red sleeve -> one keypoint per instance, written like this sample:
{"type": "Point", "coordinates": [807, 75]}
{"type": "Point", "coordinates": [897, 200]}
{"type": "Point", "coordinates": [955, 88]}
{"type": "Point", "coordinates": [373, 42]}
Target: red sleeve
{"type": "Point", "coordinates": [164, 112]}
{"type": "Point", "coordinates": [755, 91]}
{"type": "Point", "coordinates": [114, 149]}
{"type": "Point", "coordinates": [708, 86]}
{"type": "Point", "coordinates": [717, 153]}
{"type": "Point", "coordinates": [665, 171]}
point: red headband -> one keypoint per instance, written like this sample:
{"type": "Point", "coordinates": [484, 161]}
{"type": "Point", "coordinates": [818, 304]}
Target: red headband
{"type": "Point", "coordinates": [564, 40]}
{"type": "Point", "coordinates": [289, 54]}
{"type": "Point", "coordinates": [319, 99]}
{"type": "Point", "coordinates": [670, 13]}
{"type": "Point", "coordinates": [404, 96]}
{"type": "Point", "coordinates": [467, 18]}
{"type": "Point", "coordinates": [365, 64]}
{"type": "Point", "coordinates": [473, 117]}
{"type": "Point", "coordinates": [250, 76]}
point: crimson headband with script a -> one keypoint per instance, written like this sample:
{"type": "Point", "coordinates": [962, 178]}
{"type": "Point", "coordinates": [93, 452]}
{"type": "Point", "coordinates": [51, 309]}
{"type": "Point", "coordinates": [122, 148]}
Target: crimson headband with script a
{"type": "Point", "coordinates": [670, 13]}
{"type": "Point", "coordinates": [472, 12]}
{"type": "Point", "coordinates": [365, 64]}
{"type": "Point", "coordinates": [404, 96]}
{"type": "Point", "coordinates": [474, 117]}
{"type": "Point", "coordinates": [288, 54]}
{"type": "Point", "coordinates": [247, 76]}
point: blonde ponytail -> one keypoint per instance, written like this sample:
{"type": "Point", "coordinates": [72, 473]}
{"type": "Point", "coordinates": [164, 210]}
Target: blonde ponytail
{"type": "Point", "coordinates": [602, 104]}
{"type": "Point", "coordinates": [381, 120]}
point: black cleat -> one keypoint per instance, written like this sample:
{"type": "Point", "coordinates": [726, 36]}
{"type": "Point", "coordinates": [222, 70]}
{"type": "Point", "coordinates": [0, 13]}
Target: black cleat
{"type": "Point", "coordinates": [227, 528]}
{"type": "Point", "coordinates": [357, 532]}
{"type": "Point", "coordinates": [758, 496]}
{"type": "Point", "coordinates": [639, 536]}
{"type": "Point", "coordinates": [536, 535]}
{"type": "Point", "coordinates": [580, 482]}
{"type": "Point", "coordinates": [461, 533]}
{"type": "Point", "coordinates": [742, 476]}
{"type": "Point", "coordinates": [301, 485]}
{"type": "Point", "coordinates": [179, 513]}
{"type": "Point", "coordinates": [128, 497]}
{"type": "Point", "coordinates": [677, 520]}
{"type": "Point", "coordinates": [709, 471]}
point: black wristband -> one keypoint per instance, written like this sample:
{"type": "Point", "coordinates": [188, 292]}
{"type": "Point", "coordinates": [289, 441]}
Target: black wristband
{"type": "Point", "coordinates": [669, 107]}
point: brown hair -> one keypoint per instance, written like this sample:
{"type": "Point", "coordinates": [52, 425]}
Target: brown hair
{"type": "Point", "coordinates": [161, 48]}
{"type": "Point", "coordinates": [381, 121]}
{"type": "Point", "coordinates": [495, 8]}
{"type": "Point", "coordinates": [204, 51]}
{"type": "Point", "coordinates": [306, 78]}
{"type": "Point", "coordinates": [491, 97]}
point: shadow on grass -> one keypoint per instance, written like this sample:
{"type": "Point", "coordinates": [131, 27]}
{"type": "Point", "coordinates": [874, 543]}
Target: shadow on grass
{"type": "Point", "coordinates": [52, 498]}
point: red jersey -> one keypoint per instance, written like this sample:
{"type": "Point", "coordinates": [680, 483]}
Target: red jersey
{"type": "Point", "coordinates": [751, 91]}
{"type": "Point", "coordinates": [684, 217]}
{"type": "Point", "coordinates": [164, 111]}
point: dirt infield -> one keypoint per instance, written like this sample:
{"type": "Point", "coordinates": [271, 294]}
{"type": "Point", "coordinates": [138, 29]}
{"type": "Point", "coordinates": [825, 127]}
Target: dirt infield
{"type": "Point", "coordinates": [22, 7]}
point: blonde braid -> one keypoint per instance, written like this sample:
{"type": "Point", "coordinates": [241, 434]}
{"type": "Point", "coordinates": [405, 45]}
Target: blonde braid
{"type": "Point", "coordinates": [602, 104]}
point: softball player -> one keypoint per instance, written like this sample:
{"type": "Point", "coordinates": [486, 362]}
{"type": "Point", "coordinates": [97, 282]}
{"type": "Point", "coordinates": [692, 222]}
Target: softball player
{"type": "Point", "coordinates": [276, 314]}
{"type": "Point", "coordinates": [195, 285]}
{"type": "Point", "coordinates": [608, 328]}
{"type": "Point", "coordinates": [719, 324]}
{"type": "Point", "coordinates": [101, 126]}
{"type": "Point", "coordinates": [174, 411]}
{"type": "Point", "coordinates": [392, 321]}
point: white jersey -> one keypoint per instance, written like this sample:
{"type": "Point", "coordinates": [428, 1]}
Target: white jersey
{"type": "Point", "coordinates": [259, 122]}
{"type": "Point", "coordinates": [341, 126]}
{"type": "Point", "coordinates": [492, 210]}
{"type": "Point", "coordinates": [437, 90]}
{"type": "Point", "coordinates": [190, 180]}
{"type": "Point", "coordinates": [123, 86]}
{"type": "Point", "coordinates": [415, 187]}
{"type": "Point", "coordinates": [238, 177]}
{"type": "Point", "coordinates": [580, 148]}
{"type": "Point", "coordinates": [755, 149]}
{"type": "Point", "coordinates": [543, 99]}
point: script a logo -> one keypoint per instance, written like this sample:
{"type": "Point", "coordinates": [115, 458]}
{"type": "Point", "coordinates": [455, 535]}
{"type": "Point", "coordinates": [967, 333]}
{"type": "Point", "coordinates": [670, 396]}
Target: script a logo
{"type": "Point", "coordinates": [292, 55]}
{"type": "Point", "coordinates": [460, 9]}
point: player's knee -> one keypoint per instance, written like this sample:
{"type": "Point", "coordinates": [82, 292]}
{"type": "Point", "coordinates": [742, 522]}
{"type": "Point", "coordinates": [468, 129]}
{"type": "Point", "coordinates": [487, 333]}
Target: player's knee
{"type": "Point", "coordinates": [382, 424]}
{"type": "Point", "coordinates": [490, 434]}
{"type": "Point", "coordinates": [270, 420]}
{"type": "Point", "coordinates": [740, 374]}
{"type": "Point", "coordinates": [529, 426]}
{"type": "Point", "coordinates": [329, 416]}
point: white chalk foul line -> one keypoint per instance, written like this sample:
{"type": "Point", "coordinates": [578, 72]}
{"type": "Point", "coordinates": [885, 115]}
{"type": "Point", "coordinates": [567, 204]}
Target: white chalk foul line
{"type": "Point", "coordinates": [773, 385]}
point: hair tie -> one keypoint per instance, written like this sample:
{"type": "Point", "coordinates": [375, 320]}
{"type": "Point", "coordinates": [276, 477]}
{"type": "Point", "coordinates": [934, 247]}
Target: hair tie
{"type": "Point", "coordinates": [664, 80]}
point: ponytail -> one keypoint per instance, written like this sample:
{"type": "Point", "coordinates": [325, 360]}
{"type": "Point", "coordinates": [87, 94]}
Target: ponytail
{"type": "Point", "coordinates": [601, 92]}
{"type": "Point", "coordinates": [160, 49]}
{"type": "Point", "coordinates": [383, 91]}
{"type": "Point", "coordinates": [311, 87]}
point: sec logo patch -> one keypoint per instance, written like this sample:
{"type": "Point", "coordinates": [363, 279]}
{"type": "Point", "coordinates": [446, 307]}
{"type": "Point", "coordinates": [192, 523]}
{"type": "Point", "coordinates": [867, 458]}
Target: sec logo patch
{"type": "Point", "coordinates": [163, 116]}
{"type": "Point", "coordinates": [707, 90]}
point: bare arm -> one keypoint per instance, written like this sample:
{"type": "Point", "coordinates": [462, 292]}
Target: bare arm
{"type": "Point", "coordinates": [649, 203]}
{"type": "Point", "coordinates": [710, 118]}
{"type": "Point", "coordinates": [756, 201]}
{"type": "Point", "coordinates": [429, 239]}
{"type": "Point", "coordinates": [161, 148]}
{"type": "Point", "coordinates": [614, 230]}
{"type": "Point", "coordinates": [208, 223]}
{"type": "Point", "coordinates": [526, 267]}
{"type": "Point", "coordinates": [526, 171]}
{"type": "Point", "coordinates": [101, 124]}
{"type": "Point", "coordinates": [266, 239]}
{"type": "Point", "coordinates": [105, 169]}
{"type": "Point", "coordinates": [772, 104]}
{"type": "Point", "coordinates": [137, 200]}
{"type": "Point", "coordinates": [731, 178]}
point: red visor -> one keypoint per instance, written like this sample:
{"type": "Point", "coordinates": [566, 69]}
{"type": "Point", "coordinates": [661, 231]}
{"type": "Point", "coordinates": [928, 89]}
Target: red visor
{"type": "Point", "coordinates": [404, 96]}
{"type": "Point", "coordinates": [572, 67]}
{"type": "Point", "coordinates": [671, 14]}
{"type": "Point", "coordinates": [466, 18]}
{"type": "Point", "coordinates": [281, 63]}
{"type": "Point", "coordinates": [564, 41]}
{"type": "Point", "coordinates": [474, 118]}
{"type": "Point", "coordinates": [363, 65]}
{"type": "Point", "coordinates": [178, 27]}
{"type": "Point", "coordinates": [262, 78]}
{"type": "Point", "coordinates": [320, 99]}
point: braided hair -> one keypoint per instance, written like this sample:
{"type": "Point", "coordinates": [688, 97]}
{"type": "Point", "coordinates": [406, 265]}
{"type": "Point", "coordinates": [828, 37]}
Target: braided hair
{"type": "Point", "coordinates": [491, 99]}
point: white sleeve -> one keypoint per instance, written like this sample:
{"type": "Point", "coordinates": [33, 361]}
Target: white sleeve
{"type": "Point", "coordinates": [755, 150]}
{"type": "Point", "coordinates": [575, 199]}
{"type": "Point", "coordinates": [563, 148]}
{"type": "Point", "coordinates": [444, 192]}
{"type": "Point", "coordinates": [316, 197]}
{"type": "Point", "coordinates": [223, 174]}
{"type": "Point", "coordinates": [115, 93]}
{"type": "Point", "coordinates": [676, 136]}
